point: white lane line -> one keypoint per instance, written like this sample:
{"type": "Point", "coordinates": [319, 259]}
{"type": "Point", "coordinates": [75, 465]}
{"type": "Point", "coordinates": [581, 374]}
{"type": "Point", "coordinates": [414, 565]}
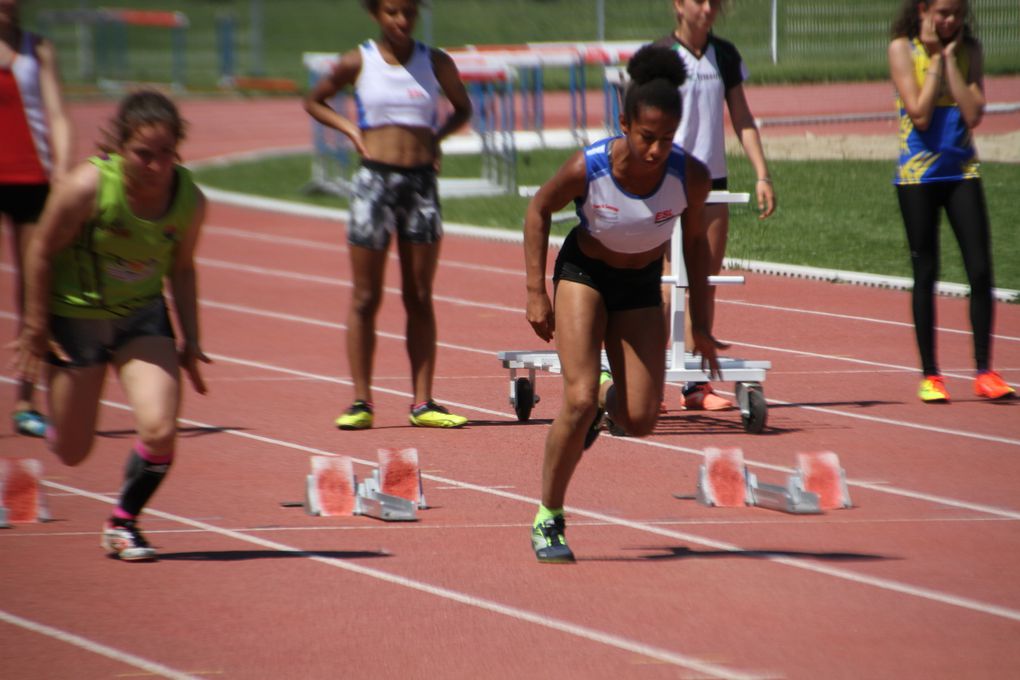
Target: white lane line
{"type": "Point", "coordinates": [282, 316]}
{"type": "Point", "coordinates": [118, 655]}
{"type": "Point", "coordinates": [842, 574]}
{"type": "Point", "coordinates": [377, 527]}
{"type": "Point", "coordinates": [342, 283]}
{"type": "Point", "coordinates": [449, 262]}
{"type": "Point", "coordinates": [517, 613]}
{"type": "Point", "coordinates": [329, 246]}
{"type": "Point", "coordinates": [244, 309]}
{"type": "Point", "coordinates": [851, 317]}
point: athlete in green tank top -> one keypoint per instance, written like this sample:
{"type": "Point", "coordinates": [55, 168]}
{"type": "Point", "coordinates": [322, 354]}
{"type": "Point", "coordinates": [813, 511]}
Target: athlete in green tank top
{"type": "Point", "coordinates": [118, 262]}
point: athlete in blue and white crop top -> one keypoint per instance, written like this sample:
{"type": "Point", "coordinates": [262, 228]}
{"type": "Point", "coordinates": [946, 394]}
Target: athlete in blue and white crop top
{"type": "Point", "coordinates": [622, 221]}
{"type": "Point", "coordinates": [396, 94]}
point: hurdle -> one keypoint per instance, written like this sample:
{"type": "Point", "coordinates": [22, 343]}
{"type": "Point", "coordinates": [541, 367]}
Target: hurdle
{"type": "Point", "coordinates": [681, 366]}
{"type": "Point", "coordinates": [103, 41]}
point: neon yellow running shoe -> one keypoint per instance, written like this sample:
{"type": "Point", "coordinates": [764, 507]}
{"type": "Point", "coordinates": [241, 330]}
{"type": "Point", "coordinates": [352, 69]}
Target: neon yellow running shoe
{"type": "Point", "coordinates": [431, 414]}
{"type": "Point", "coordinates": [933, 390]}
{"type": "Point", "coordinates": [357, 417]}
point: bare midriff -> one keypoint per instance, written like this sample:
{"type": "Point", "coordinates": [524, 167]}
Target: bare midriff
{"type": "Point", "coordinates": [400, 146]}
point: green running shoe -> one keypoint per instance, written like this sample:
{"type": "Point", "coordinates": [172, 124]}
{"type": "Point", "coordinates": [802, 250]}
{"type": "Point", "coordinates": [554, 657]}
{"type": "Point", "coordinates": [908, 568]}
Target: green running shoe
{"type": "Point", "coordinates": [431, 414]}
{"type": "Point", "coordinates": [357, 417]}
{"type": "Point", "coordinates": [549, 541]}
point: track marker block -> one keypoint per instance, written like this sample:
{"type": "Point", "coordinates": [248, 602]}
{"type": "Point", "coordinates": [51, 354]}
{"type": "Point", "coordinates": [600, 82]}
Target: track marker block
{"type": "Point", "coordinates": [819, 472]}
{"type": "Point", "coordinates": [331, 487]}
{"type": "Point", "coordinates": [21, 493]}
{"type": "Point", "coordinates": [400, 476]}
{"type": "Point", "coordinates": [722, 479]}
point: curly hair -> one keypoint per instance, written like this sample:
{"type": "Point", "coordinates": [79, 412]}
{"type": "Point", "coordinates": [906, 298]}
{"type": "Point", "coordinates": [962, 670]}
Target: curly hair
{"type": "Point", "coordinates": [656, 74]}
{"type": "Point", "coordinates": [907, 23]}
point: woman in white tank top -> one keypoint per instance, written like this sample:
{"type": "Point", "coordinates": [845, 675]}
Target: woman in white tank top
{"type": "Point", "coordinates": [715, 76]}
{"type": "Point", "coordinates": [397, 83]}
{"type": "Point", "coordinates": [629, 192]}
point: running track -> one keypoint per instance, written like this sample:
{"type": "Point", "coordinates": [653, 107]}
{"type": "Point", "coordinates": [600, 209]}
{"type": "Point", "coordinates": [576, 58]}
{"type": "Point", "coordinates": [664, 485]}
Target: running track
{"type": "Point", "coordinates": [918, 580]}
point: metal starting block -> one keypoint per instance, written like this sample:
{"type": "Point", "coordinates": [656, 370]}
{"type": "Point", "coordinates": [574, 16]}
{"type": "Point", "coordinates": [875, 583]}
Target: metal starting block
{"type": "Point", "coordinates": [790, 498]}
{"type": "Point", "coordinates": [819, 484]}
{"type": "Point", "coordinates": [393, 493]}
{"type": "Point", "coordinates": [21, 493]}
{"type": "Point", "coordinates": [374, 503]}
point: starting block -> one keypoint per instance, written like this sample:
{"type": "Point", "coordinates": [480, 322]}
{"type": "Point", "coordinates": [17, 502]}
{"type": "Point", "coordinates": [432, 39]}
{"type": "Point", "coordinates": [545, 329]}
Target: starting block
{"type": "Point", "coordinates": [819, 484]}
{"type": "Point", "coordinates": [393, 493]}
{"type": "Point", "coordinates": [21, 494]}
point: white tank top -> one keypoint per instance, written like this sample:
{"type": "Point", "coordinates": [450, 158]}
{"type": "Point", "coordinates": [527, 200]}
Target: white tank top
{"type": "Point", "coordinates": [625, 222]}
{"type": "Point", "coordinates": [401, 94]}
{"type": "Point", "coordinates": [704, 96]}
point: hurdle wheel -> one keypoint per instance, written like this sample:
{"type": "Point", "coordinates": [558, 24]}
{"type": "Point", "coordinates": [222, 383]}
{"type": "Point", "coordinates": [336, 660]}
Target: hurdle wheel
{"type": "Point", "coordinates": [524, 399]}
{"type": "Point", "coordinates": [755, 415]}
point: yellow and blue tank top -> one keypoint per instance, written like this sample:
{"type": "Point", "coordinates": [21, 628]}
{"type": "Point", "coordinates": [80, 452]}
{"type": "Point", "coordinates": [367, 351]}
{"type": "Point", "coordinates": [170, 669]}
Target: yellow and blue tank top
{"type": "Point", "coordinates": [945, 151]}
{"type": "Point", "coordinates": [117, 263]}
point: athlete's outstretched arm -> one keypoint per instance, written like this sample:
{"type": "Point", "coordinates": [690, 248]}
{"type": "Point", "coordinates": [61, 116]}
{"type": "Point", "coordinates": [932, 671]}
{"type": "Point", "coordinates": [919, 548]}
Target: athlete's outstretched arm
{"type": "Point", "coordinates": [183, 283]}
{"type": "Point", "coordinates": [697, 259]}
{"type": "Point", "coordinates": [568, 183]}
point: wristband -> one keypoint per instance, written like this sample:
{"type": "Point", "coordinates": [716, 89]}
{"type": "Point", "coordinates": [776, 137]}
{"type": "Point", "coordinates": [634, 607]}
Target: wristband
{"type": "Point", "coordinates": [765, 179]}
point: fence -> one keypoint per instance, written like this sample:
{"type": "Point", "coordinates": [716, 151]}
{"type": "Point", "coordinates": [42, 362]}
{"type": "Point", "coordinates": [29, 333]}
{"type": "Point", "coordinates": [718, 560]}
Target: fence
{"type": "Point", "coordinates": [780, 39]}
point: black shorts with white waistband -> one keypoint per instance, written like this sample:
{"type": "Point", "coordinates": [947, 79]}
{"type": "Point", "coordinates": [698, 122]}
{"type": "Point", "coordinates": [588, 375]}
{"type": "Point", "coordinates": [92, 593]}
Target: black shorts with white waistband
{"type": "Point", "coordinates": [620, 288]}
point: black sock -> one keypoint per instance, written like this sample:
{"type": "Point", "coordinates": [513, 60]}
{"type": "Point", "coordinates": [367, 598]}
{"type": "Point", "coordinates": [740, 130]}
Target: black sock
{"type": "Point", "coordinates": [141, 479]}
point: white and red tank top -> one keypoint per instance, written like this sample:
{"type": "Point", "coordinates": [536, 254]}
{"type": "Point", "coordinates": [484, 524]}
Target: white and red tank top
{"type": "Point", "coordinates": [25, 153]}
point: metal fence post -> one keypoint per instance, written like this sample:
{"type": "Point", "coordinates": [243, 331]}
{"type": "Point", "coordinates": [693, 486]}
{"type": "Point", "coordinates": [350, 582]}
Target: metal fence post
{"type": "Point", "coordinates": [775, 31]}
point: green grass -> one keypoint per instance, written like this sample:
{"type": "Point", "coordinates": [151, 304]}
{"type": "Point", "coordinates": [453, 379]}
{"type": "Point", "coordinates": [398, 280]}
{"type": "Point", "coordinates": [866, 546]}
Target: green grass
{"type": "Point", "coordinates": [832, 214]}
{"type": "Point", "coordinates": [818, 39]}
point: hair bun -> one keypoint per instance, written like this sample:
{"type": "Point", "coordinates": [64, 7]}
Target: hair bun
{"type": "Point", "coordinates": [651, 62]}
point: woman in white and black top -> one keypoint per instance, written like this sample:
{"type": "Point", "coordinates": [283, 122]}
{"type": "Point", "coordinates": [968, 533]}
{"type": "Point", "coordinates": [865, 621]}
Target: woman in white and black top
{"type": "Point", "coordinates": [629, 192]}
{"type": "Point", "coordinates": [715, 73]}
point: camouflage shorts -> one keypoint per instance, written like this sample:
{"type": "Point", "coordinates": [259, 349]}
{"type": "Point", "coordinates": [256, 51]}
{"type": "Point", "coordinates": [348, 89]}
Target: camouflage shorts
{"type": "Point", "coordinates": [390, 200]}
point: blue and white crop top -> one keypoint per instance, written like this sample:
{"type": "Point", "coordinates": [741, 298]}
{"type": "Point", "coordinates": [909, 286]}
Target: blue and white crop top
{"type": "Point", "coordinates": [396, 94]}
{"type": "Point", "coordinates": [624, 222]}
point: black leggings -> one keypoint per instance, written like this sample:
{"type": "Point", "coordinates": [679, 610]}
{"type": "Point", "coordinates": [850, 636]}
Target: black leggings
{"type": "Point", "coordinates": [964, 202]}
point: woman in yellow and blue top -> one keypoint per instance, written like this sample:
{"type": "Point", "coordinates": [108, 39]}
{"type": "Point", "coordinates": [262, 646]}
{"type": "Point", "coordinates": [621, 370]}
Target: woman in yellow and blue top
{"type": "Point", "coordinates": [936, 66]}
{"type": "Point", "coordinates": [110, 234]}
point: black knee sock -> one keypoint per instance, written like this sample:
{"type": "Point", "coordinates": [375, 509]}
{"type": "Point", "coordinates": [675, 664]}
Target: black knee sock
{"type": "Point", "coordinates": [141, 479]}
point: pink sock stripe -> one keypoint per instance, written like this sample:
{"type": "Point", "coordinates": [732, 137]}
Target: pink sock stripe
{"type": "Point", "coordinates": [147, 454]}
{"type": "Point", "coordinates": [121, 514]}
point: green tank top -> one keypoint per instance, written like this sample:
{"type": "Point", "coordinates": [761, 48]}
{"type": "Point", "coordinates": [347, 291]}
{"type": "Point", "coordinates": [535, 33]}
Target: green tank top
{"type": "Point", "coordinates": [117, 263]}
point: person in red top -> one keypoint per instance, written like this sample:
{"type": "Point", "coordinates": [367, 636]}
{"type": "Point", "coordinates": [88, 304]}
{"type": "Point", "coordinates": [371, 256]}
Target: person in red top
{"type": "Point", "coordinates": [36, 152]}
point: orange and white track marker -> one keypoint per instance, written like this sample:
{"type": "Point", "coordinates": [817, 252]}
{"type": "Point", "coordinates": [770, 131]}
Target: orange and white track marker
{"type": "Point", "coordinates": [723, 478]}
{"type": "Point", "coordinates": [400, 476]}
{"type": "Point", "coordinates": [21, 494]}
{"type": "Point", "coordinates": [821, 474]}
{"type": "Point", "coordinates": [331, 487]}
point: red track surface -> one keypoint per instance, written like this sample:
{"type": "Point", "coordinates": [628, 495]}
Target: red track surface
{"type": "Point", "coordinates": [918, 580]}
